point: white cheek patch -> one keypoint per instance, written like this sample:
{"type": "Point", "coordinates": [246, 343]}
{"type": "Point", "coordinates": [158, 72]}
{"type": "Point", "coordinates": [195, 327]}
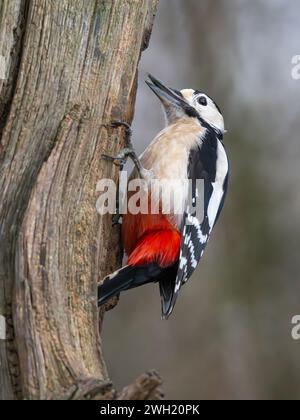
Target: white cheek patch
{"type": "Point", "coordinates": [210, 112]}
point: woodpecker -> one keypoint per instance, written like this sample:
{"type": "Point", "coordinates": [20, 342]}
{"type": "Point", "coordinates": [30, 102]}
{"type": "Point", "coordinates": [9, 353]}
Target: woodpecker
{"type": "Point", "coordinates": [166, 248]}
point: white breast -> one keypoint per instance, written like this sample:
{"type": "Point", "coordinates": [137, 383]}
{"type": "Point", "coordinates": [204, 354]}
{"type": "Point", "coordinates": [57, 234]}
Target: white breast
{"type": "Point", "coordinates": [167, 155]}
{"type": "Point", "coordinates": [167, 159]}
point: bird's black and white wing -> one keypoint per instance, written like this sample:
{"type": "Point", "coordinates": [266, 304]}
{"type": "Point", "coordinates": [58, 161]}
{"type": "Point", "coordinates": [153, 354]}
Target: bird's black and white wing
{"type": "Point", "coordinates": [208, 169]}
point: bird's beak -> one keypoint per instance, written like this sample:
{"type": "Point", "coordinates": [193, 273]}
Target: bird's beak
{"type": "Point", "coordinates": [169, 97]}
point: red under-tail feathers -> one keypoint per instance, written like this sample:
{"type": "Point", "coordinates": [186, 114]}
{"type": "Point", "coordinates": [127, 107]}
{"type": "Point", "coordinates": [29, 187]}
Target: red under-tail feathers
{"type": "Point", "coordinates": [160, 246]}
{"type": "Point", "coordinates": [150, 238]}
{"type": "Point", "coordinates": [152, 243]}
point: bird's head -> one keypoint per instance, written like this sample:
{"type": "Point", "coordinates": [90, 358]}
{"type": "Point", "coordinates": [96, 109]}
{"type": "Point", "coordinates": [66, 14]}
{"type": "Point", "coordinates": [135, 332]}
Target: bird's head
{"type": "Point", "coordinates": [187, 103]}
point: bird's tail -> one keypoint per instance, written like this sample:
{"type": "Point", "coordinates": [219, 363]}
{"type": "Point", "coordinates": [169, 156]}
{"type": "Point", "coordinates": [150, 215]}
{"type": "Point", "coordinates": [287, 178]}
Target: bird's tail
{"type": "Point", "coordinates": [154, 259]}
{"type": "Point", "coordinates": [167, 291]}
{"type": "Point", "coordinates": [131, 276]}
{"type": "Point", "coordinates": [126, 278]}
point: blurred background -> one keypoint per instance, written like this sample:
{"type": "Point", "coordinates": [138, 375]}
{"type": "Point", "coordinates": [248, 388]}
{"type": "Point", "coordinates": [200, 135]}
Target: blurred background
{"type": "Point", "coordinates": [230, 334]}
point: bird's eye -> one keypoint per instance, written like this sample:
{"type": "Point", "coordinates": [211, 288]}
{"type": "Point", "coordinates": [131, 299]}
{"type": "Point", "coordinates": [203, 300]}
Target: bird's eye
{"type": "Point", "coordinates": [202, 100]}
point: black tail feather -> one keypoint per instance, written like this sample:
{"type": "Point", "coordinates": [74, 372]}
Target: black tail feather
{"type": "Point", "coordinates": [167, 291]}
{"type": "Point", "coordinates": [131, 276]}
{"type": "Point", "coordinates": [126, 278]}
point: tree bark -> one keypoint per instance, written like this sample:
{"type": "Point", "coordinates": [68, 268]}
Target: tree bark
{"type": "Point", "coordinates": [70, 69]}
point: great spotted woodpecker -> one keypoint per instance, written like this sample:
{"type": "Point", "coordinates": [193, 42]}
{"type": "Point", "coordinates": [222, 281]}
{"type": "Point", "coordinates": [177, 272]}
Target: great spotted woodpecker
{"type": "Point", "coordinates": [166, 248]}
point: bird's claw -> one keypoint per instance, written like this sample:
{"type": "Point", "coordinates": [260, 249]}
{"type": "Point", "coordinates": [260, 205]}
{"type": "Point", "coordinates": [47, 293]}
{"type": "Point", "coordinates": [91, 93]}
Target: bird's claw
{"type": "Point", "coordinates": [119, 123]}
{"type": "Point", "coordinates": [118, 161]}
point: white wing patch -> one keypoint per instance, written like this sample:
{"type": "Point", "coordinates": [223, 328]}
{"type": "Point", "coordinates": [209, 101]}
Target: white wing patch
{"type": "Point", "coordinates": [217, 194]}
{"type": "Point", "coordinates": [195, 232]}
{"type": "Point", "coordinates": [192, 220]}
{"type": "Point", "coordinates": [183, 262]}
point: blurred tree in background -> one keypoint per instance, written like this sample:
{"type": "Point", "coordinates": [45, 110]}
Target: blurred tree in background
{"type": "Point", "coordinates": [230, 334]}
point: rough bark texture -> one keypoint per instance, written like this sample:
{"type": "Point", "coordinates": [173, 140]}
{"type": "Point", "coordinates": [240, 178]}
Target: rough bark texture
{"type": "Point", "coordinates": [70, 68]}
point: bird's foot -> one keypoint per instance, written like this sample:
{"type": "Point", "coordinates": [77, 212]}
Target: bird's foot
{"type": "Point", "coordinates": [121, 158]}
{"type": "Point", "coordinates": [128, 130]}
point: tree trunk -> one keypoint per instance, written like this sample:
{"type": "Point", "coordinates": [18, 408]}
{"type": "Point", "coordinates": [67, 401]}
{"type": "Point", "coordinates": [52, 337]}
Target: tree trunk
{"type": "Point", "coordinates": [69, 69]}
